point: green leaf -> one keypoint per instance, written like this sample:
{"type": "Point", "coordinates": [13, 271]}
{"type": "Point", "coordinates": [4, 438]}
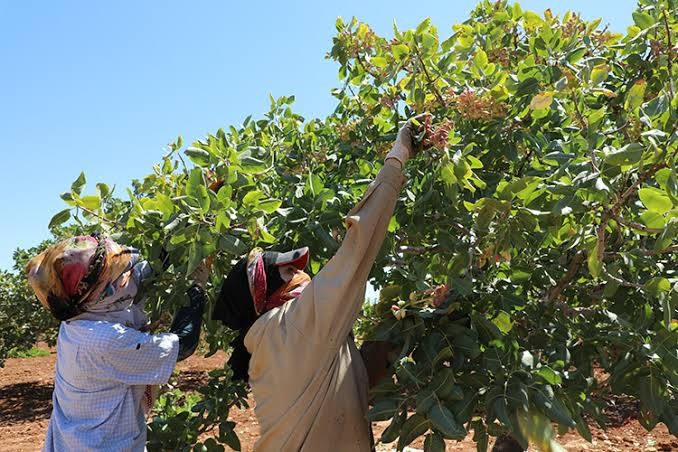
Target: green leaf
{"type": "Point", "coordinates": [480, 60]}
{"type": "Point", "coordinates": [198, 156]}
{"type": "Point", "coordinates": [528, 86]}
{"type": "Point", "coordinates": [443, 420]}
{"type": "Point", "coordinates": [443, 382]}
{"type": "Point", "coordinates": [447, 174]}
{"type": "Point", "coordinates": [463, 409]}
{"type": "Point", "coordinates": [393, 430]}
{"type": "Point", "coordinates": [78, 184]}
{"type": "Point", "coordinates": [91, 202]}
{"type": "Point", "coordinates": [628, 155]}
{"type": "Point", "coordinates": [60, 218]}
{"type": "Point", "coordinates": [164, 204]}
{"type": "Point", "coordinates": [383, 410]}
{"type": "Point", "coordinates": [231, 244]}
{"type": "Point", "coordinates": [252, 165]}
{"type": "Point", "coordinates": [203, 198]}
{"type": "Point", "coordinates": [595, 261]}
{"type": "Point", "coordinates": [252, 198]}
{"type": "Point", "coordinates": [379, 62]}
{"type": "Point", "coordinates": [642, 19]}
{"type": "Point", "coordinates": [231, 439]}
{"type": "Point", "coordinates": [545, 400]}
{"type": "Point", "coordinates": [195, 256]}
{"type": "Point", "coordinates": [672, 186]}
{"type": "Point", "coordinates": [537, 429]}
{"type": "Point", "coordinates": [415, 426]}
{"type": "Point", "coordinates": [577, 54]}
{"type": "Point", "coordinates": [550, 375]}
{"type": "Point", "coordinates": [224, 195]}
{"type": "Point", "coordinates": [653, 219]}
{"type": "Point", "coordinates": [195, 180]}
{"type": "Point", "coordinates": [223, 221]}
{"type": "Point", "coordinates": [269, 205]}
{"type": "Point", "coordinates": [400, 51]}
{"type": "Point", "coordinates": [103, 189]}
{"type": "Point", "coordinates": [652, 393]}
{"type": "Point", "coordinates": [434, 443]}
{"type": "Point", "coordinates": [634, 98]}
{"type": "Point", "coordinates": [503, 322]}
{"type": "Point", "coordinates": [655, 199]}
{"type": "Point", "coordinates": [599, 74]}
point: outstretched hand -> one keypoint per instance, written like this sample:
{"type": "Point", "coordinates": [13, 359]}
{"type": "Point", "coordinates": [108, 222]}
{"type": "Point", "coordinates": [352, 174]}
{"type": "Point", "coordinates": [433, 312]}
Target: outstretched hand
{"type": "Point", "coordinates": [409, 139]}
{"type": "Point", "coordinates": [201, 274]}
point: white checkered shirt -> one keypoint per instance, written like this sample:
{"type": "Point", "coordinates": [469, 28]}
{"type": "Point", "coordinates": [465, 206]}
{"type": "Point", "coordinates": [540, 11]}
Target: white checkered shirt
{"type": "Point", "coordinates": [102, 371]}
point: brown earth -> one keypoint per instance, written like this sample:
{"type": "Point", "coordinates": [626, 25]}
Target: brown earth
{"type": "Point", "coordinates": [26, 390]}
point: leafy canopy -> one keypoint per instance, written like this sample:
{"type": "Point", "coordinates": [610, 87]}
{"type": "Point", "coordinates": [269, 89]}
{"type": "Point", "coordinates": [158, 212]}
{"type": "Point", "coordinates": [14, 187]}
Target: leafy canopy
{"type": "Point", "coordinates": [535, 241]}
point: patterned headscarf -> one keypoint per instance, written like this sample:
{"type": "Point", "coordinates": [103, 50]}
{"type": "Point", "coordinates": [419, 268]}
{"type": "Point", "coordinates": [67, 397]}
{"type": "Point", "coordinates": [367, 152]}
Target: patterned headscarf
{"type": "Point", "coordinates": [253, 287]}
{"type": "Point", "coordinates": [89, 277]}
{"type": "Point", "coordinates": [267, 288]}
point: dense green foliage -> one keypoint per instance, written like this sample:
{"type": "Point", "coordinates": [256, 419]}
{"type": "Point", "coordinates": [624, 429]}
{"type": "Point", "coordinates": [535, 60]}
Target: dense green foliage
{"type": "Point", "coordinates": [534, 241]}
{"type": "Point", "coordinates": [23, 321]}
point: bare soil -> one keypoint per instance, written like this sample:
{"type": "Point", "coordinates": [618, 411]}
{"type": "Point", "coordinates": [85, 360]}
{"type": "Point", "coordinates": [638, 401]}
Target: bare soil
{"type": "Point", "coordinates": [25, 406]}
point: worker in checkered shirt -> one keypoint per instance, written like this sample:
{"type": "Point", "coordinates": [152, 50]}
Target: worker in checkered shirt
{"type": "Point", "coordinates": [108, 364]}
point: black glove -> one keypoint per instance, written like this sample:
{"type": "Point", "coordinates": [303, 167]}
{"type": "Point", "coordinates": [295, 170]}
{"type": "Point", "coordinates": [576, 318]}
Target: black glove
{"type": "Point", "coordinates": [187, 322]}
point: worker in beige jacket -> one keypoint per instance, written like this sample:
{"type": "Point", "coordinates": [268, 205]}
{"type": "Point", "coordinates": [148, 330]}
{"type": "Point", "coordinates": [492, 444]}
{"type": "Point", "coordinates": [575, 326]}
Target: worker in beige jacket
{"type": "Point", "coordinates": [295, 347]}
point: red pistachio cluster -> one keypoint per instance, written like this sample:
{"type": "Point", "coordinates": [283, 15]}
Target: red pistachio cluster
{"type": "Point", "coordinates": [500, 57]}
{"type": "Point", "coordinates": [471, 105]}
{"type": "Point", "coordinates": [437, 135]}
{"type": "Point", "coordinates": [439, 294]}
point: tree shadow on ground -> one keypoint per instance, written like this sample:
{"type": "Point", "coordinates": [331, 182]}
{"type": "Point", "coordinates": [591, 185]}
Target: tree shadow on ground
{"type": "Point", "coordinates": [25, 402]}
{"type": "Point", "coordinates": [191, 380]}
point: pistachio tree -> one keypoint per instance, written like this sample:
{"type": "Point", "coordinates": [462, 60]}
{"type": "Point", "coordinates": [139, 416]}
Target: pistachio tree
{"type": "Point", "coordinates": [533, 248]}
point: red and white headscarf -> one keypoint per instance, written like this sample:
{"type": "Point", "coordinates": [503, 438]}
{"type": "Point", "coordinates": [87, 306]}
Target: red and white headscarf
{"type": "Point", "coordinates": [266, 297]}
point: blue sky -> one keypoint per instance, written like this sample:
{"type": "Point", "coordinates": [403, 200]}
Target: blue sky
{"type": "Point", "coordinates": [101, 87]}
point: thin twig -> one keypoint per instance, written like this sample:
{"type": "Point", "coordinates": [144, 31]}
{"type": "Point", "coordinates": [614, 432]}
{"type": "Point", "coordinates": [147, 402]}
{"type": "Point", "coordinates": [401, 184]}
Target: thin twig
{"type": "Point", "coordinates": [524, 162]}
{"type": "Point", "coordinates": [613, 211]}
{"type": "Point", "coordinates": [418, 249]}
{"type": "Point", "coordinates": [94, 214]}
{"type": "Point", "coordinates": [580, 117]}
{"type": "Point", "coordinates": [623, 282]}
{"type": "Point", "coordinates": [431, 82]}
{"type": "Point", "coordinates": [363, 64]}
{"type": "Point", "coordinates": [668, 249]}
{"type": "Point", "coordinates": [567, 278]}
{"type": "Point", "coordinates": [638, 226]}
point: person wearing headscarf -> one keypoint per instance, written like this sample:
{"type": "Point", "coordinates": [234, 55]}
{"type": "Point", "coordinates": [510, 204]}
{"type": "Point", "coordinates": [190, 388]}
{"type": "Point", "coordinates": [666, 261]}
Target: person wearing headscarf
{"type": "Point", "coordinates": [108, 366]}
{"type": "Point", "coordinates": [295, 346]}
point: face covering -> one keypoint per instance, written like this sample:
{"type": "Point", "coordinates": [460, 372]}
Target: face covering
{"type": "Point", "coordinates": [253, 287]}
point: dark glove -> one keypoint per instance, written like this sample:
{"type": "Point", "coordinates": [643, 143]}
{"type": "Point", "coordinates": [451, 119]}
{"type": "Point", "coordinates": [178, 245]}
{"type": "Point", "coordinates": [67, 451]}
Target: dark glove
{"type": "Point", "coordinates": [188, 321]}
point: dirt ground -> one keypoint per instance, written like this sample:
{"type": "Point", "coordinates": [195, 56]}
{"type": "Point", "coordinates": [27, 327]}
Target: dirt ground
{"type": "Point", "coordinates": [25, 406]}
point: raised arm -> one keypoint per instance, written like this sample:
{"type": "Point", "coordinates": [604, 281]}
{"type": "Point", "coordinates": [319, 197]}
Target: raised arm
{"type": "Point", "coordinates": [328, 307]}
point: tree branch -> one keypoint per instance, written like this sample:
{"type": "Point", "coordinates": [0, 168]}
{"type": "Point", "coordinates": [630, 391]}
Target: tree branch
{"type": "Point", "coordinates": [638, 226]}
{"type": "Point", "coordinates": [94, 214]}
{"type": "Point", "coordinates": [623, 282]}
{"type": "Point", "coordinates": [431, 82]}
{"type": "Point", "coordinates": [567, 278]}
{"type": "Point", "coordinates": [418, 249]}
{"type": "Point", "coordinates": [668, 249]}
{"type": "Point", "coordinates": [363, 64]}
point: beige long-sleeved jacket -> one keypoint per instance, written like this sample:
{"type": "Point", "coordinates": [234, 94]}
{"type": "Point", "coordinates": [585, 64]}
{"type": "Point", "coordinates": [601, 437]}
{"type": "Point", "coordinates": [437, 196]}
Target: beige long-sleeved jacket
{"type": "Point", "coordinates": [308, 379]}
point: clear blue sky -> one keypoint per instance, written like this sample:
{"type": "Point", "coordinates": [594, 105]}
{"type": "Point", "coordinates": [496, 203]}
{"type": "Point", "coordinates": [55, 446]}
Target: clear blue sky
{"type": "Point", "coordinates": [102, 86]}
